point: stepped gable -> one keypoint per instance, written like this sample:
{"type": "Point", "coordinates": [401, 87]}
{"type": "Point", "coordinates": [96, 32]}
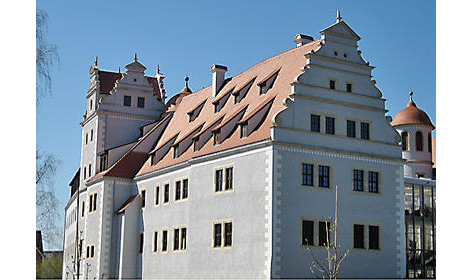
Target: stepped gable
{"type": "Point", "coordinates": [107, 81]}
{"type": "Point", "coordinates": [289, 63]}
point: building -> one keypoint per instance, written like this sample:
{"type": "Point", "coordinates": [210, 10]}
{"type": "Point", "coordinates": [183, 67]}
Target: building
{"type": "Point", "coordinates": [418, 149]}
{"type": "Point", "coordinates": [237, 179]}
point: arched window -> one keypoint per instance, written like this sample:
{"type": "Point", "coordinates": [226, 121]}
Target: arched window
{"type": "Point", "coordinates": [419, 144]}
{"type": "Point", "coordinates": [404, 137]}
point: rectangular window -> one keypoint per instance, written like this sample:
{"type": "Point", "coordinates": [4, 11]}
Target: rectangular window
{"type": "Point", "coordinates": [373, 237]}
{"type": "Point", "coordinates": [95, 202]}
{"type": "Point", "coordinates": [85, 172]}
{"type": "Point", "coordinates": [156, 196]}
{"type": "Point", "coordinates": [141, 102]}
{"type": "Point", "coordinates": [91, 198]}
{"type": "Point", "coordinates": [177, 195]}
{"type": "Point", "coordinates": [358, 180]}
{"type": "Point", "coordinates": [155, 242]}
{"type": "Point", "coordinates": [329, 125]}
{"type": "Point", "coordinates": [103, 162]}
{"type": "Point", "coordinates": [358, 236]}
{"type": "Point", "coordinates": [216, 109]}
{"type": "Point", "coordinates": [228, 234]}
{"type": "Point", "coordinates": [91, 135]}
{"type": "Point", "coordinates": [176, 239]}
{"type": "Point", "coordinates": [90, 170]}
{"type": "Point", "coordinates": [127, 100]}
{"type": "Point", "coordinates": [218, 180]}
{"type": "Point", "coordinates": [185, 188]}
{"type": "Point", "coordinates": [141, 242]}
{"type": "Point", "coordinates": [365, 130]}
{"type": "Point", "coordinates": [164, 245]}
{"type": "Point", "coordinates": [87, 255]}
{"type": "Point", "coordinates": [86, 138]}
{"type": "Point", "coordinates": [183, 238]}
{"type": "Point", "coordinates": [166, 193]}
{"type": "Point", "coordinates": [324, 176]}
{"type": "Point", "coordinates": [83, 208]}
{"type": "Point", "coordinates": [324, 227]}
{"type": "Point", "coordinates": [373, 181]}
{"type": "Point", "coordinates": [217, 137]}
{"type": "Point", "coordinates": [315, 123]}
{"type": "Point", "coordinates": [348, 87]}
{"type": "Point", "coordinates": [92, 247]}
{"type": "Point", "coordinates": [262, 88]}
{"type": "Point", "coordinates": [196, 144]}
{"type": "Point", "coordinates": [143, 198]}
{"type": "Point", "coordinates": [307, 174]}
{"type": "Point", "coordinates": [217, 235]}
{"type": "Point", "coordinates": [243, 130]}
{"type": "Point", "coordinates": [351, 125]}
{"type": "Point", "coordinates": [90, 105]}
{"type": "Point", "coordinates": [332, 84]}
{"type": "Point", "coordinates": [176, 151]}
{"type": "Point", "coordinates": [229, 178]}
{"type": "Point", "coordinates": [307, 232]}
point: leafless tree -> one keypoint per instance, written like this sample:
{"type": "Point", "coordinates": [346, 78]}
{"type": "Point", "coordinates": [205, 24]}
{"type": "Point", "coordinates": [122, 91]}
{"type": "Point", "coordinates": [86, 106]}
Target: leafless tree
{"type": "Point", "coordinates": [46, 56]}
{"type": "Point", "coordinates": [329, 267]}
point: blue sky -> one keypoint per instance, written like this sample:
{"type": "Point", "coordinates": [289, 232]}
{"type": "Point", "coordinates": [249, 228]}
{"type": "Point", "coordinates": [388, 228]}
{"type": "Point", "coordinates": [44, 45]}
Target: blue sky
{"type": "Point", "coordinates": [186, 37]}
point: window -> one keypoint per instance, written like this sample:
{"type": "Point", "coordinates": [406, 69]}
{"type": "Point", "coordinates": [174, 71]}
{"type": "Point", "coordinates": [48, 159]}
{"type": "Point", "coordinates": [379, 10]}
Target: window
{"type": "Point", "coordinates": [229, 178]}
{"type": "Point", "coordinates": [166, 193]}
{"type": "Point", "coordinates": [196, 144]}
{"type": "Point", "coordinates": [86, 138]}
{"type": "Point", "coordinates": [358, 236]}
{"type": "Point", "coordinates": [315, 123]}
{"type": "Point", "coordinates": [404, 138]}
{"type": "Point", "coordinates": [103, 162]}
{"type": "Point", "coordinates": [243, 130]}
{"type": "Point", "coordinates": [176, 151]}
{"type": "Point", "coordinates": [156, 196]}
{"type": "Point", "coordinates": [127, 100]}
{"type": "Point", "coordinates": [365, 130]}
{"type": "Point", "coordinates": [141, 242]}
{"type": "Point", "coordinates": [217, 235]}
{"type": "Point", "coordinates": [83, 208]}
{"type": "Point", "coordinates": [373, 237]}
{"type": "Point", "coordinates": [143, 198]}
{"type": "Point", "coordinates": [373, 181]}
{"type": "Point", "coordinates": [307, 232]}
{"type": "Point", "coordinates": [92, 202]}
{"type": "Point", "coordinates": [419, 144]}
{"type": "Point", "coordinates": [141, 102]}
{"type": "Point", "coordinates": [262, 88]}
{"type": "Point", "coordinates": [429, 139]}
{"type": "Point", "coordinates": [183, 238]}
{"type": "Point", "coordinates": [177, 195]}
{"type": "Point", "coordinates": [219, 180]}
{"type": "Point", "coordinates": [185, 188]}
{"type": "Point", "coordinates": [329, 125]}
{"type": "Point", "coordinates": [164, 246]}
{"type": "Point", "coordinates": [87, 255]}
{"type": "Point", "coordinates": [91, 135]}
{"type": "Point", "coordinates": [358, 180]}
{"type": "Point", "coordinates": [324, 227]}
{"type": "Point", "coordinates": [216, 108]}
{"type": "Point", "coordinates": [332, 84]}
{"type": "Point", "coordinates": [307, 174]}
{"type": "Point", "coordinates": [228, 234]}
{"type": "Point", "coordinates": [90, 169]}
{"type": "Point", "coordinates": [217, 137]}
{"type": "Point", "coordinates": [348, 85]}
{"type": "Point", "coordinates": [324, 176]}
{"type": "Point", "coordinates": [176, 239]}
{"type": "Point", "coordinates": [85, 172]}
{"type": "Point", "coordinates": [351, 125]}
{"type": "Point", "coordinates": [90, 105]}
{"type": "Point", "coordinates": [236, 99]}
{"type": "Point", "coordinates": [92, 249]}
{"type": "Point", "coordinates": [155, 242]}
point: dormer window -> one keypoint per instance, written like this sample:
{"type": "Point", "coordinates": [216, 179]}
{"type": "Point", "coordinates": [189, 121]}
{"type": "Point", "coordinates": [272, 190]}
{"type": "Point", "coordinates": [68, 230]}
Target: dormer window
{"type": "Point", "coordinates": [237, 98]}
{"type": "Point", "coordinates": [196, 144]}
{"type": "Point", "coordinates": [216, 137]}
{"type": "Point", "coordinates": [176, 151]}
{"type": "Point", "coordinates": [216, 108]}
{"type": "Point", "coordinates": [243, 130]}
{"type": "Point", "coordinates": [191, 116]}
{"type": "Point", "coordinates": [262, 88]}
{"type": "Point", "coordinates": [332, 84]}
{"type": "Point", "coordinates": [268, 82]}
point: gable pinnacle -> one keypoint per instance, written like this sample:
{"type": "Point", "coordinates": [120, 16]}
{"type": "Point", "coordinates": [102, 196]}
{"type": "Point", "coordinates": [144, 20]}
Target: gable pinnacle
{"type": "Point", "coordinates": [135, 57]}
{"type": "Point", "coordinates": [186, 79]}
{"type": "Point", "coordinates": [339, 18]}
{"type": "Point", "coordinates": [95, 62]}
{"type": "Point", "coordinates": [411, 94]}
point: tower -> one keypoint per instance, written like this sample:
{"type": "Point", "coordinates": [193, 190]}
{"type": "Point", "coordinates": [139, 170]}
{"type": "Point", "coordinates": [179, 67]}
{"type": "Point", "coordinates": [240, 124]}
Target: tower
{"type": "Point", "coordinates": [415, 128]}
{"type": "Point", "coordinates": [118, 105]}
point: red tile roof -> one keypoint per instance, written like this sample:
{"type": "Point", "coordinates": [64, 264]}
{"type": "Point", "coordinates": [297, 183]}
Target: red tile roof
{"type": "Point", "coordinates": [412, 115]}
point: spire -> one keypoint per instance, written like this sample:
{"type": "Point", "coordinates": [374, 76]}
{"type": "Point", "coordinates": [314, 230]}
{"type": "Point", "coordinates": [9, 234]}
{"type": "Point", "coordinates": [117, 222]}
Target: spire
{"type": "Point", "coordinates": [186, 79]}
{"type": "Point", "coordinates": [410, 96]}
{"type": "Point", "coordinates": [135, 58]}
{"type": "Point", "coordinates": [339, 18]}
{"type": "Point", "coordinates": [186, 88]}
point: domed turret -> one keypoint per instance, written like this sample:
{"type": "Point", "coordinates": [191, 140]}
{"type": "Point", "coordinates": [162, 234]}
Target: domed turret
{"type": "Point", "coordinates": [415, 128]}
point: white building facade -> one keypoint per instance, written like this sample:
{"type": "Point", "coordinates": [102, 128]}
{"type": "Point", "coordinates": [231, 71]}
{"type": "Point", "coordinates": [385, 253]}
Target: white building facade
{"type": "Point", "coordinates": [235, 180]}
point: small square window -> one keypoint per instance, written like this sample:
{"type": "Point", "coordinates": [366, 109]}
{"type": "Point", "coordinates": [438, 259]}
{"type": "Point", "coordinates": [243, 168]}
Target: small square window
{"type": "Point", "coordinates": [127, 100]}
{"type": "Point", "coordinates": [332, 84]}
{"type": "Point", "coordinates": [348, 87]}
{"type": "Point", "coordinates": [216, 108]}
{"type": "Point", "coordinates": [217, 137]}
{"type": "Point", "coordinates": [176, 151]}
{"type": "Point", "coordinates": [141, 102]}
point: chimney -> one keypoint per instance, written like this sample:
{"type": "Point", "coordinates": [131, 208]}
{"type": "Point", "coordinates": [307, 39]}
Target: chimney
{"type": "Point", "coordinates": [302, 39]}
{"type": "Point", "coordinates": [218, 77]}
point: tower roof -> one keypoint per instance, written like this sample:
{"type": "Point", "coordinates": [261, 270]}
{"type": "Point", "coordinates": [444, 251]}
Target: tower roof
{"type": "Point", "coordinates": [412, 115]}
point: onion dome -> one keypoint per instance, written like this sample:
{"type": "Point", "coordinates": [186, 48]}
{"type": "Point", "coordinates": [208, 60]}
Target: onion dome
{"type": "Point", "coordinates": [411, 115]}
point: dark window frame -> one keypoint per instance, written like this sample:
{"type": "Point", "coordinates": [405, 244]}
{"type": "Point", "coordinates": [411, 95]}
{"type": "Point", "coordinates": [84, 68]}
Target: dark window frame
{"type": "Point", "coordinates": [358, 236]}
{"type": "Point", "coordinates": [228, 234]}
{"type": "Point", "coordinates": [419, 141]}
{"type": "Point", "coordinates": [307, 232]}
{"type": "Point", "coordinates": [404, 140]}
{"type": "Point", "coordinates": [324, 176]}
{"type": "Point", "coordinates": [373, 237]}
{"type": "Point", "coordinates": [164, 241]}
{"type": "Point", "coordinates": [166, 193]}
{"type": "Point", "coordinates": [351, 128]}
{"type": "Point", "coordinates": [314, 122]}
{"type": "Point", "coordinates": [143, 198]}
{"type": "Point", "coordinates": [218, 180]}
{"type": "Point", "coordinates": [349, 87]}
{"type": "Point", "coordinates": [332, 84]}
{"type": "Point", "coordinates": [365, 130]}
{"type": "Point", "coordinates": [140, 102]}
{"type": "Point", "coordinates": [330, 125]}
{"type": "Point", "coordinates": [177, 190]}
{"type": "Point", "coordinates": [217, 235]}
{"type": "Point", "coordinates": [229, 178]}
{"type": "Point", "coordinates": [185, 188]}
{"type": "Point", "coordinates": [127, 100]}
{"type": "Point", "coordinates": [324, 232]}
{"type": "Point", "coordinates": [358, 180]}
{"type": "Point", "coordinates": [307, 174]}
{"type": "Point", "coordinates": [373, 181]}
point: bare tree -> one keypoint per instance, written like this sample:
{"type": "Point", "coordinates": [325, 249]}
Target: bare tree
{"type": "Point", "coordinates": [329, 267]}
{"type": "Point", "coordinates": [46, 56]}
